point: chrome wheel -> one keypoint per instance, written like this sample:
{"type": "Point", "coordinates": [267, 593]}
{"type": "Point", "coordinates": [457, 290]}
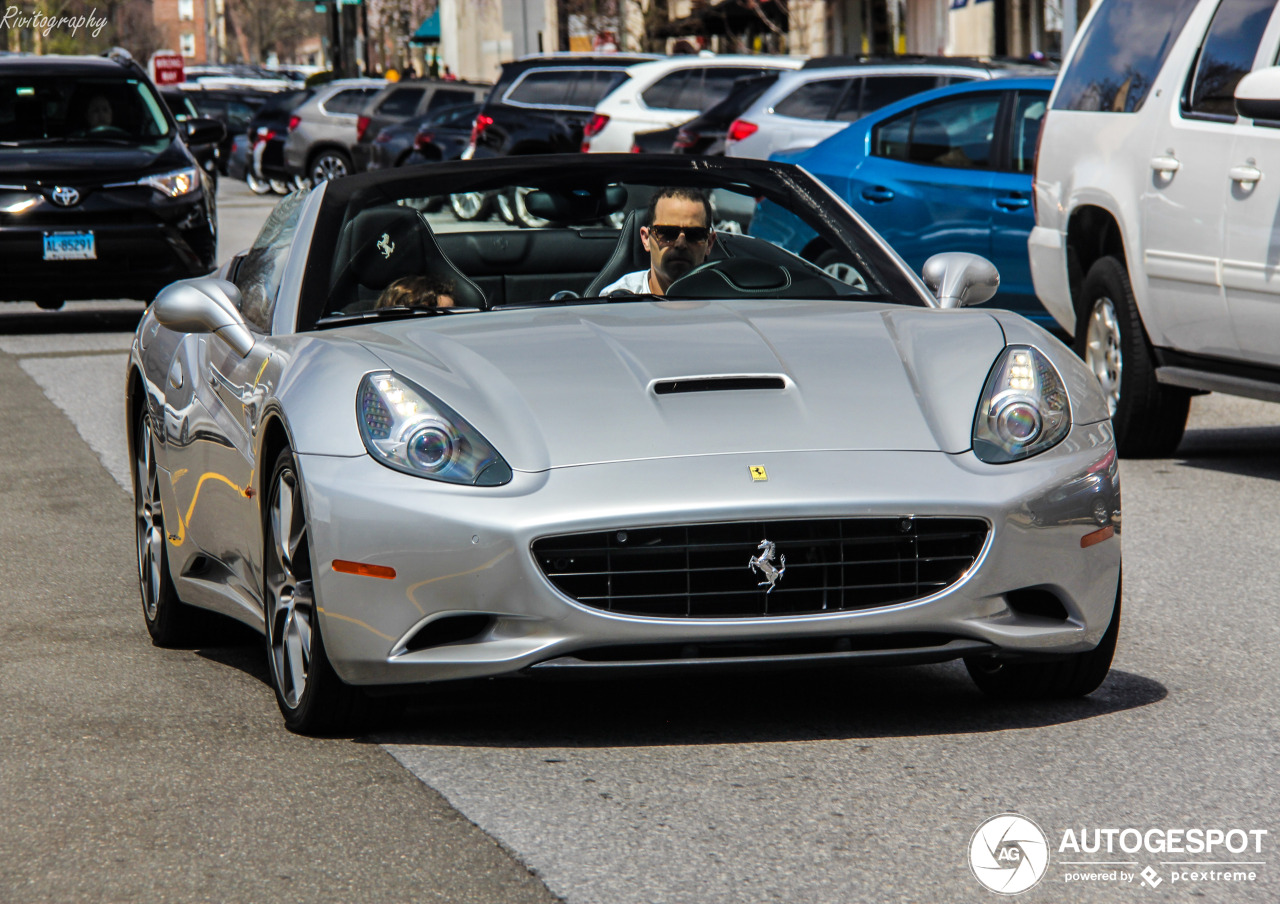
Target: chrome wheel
{"type": "Point", "coordinates": [520, 210]}
{"type": "Point", "coordinates": [1102, 351]}
{"type": "Point", "coordinates": [150, 523]}
{"type": "Point", "coordinates": [290, 600]}
{"type": "Point", "coordinates": [837, 268]}
{"type": "Point", "coordinates": [329, 165]}
{"type": "Point", "coordinates": [280, 187]}
{"type": "Point", "coordinates": [470, 205]}
{"type": "Point", "coordinates": [257, 184]}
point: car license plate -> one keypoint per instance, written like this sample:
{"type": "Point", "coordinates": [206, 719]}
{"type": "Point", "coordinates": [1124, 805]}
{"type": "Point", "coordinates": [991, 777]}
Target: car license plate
{"type": "Point", "coordinates": [70, 246]}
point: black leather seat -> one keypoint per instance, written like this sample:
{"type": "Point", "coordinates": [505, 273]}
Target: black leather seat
{"type": "Point", "coordinates": [378, 247]}
{"type": "Point", "coordinates": [628, 256]}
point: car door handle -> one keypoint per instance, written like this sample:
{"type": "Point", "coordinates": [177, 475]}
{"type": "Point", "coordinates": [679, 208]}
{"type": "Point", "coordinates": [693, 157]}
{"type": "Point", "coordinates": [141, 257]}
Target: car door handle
{"type": "Point", "coordinates": [1245, 174]}
{"type": "Point", "coordinates": [1166, 163]}
{"type": "Point", "coordinates": [1013, 202]}
{"type": "Point", "coordinates": [877, 195]}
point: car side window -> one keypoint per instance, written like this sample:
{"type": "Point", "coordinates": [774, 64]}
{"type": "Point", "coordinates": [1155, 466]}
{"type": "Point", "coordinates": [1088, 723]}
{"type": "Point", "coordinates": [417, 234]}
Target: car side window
{"type": "Point", "coordinates": [349, 101]}
{"type": "Point", "coordinates": [238, 116]}
{"type": "Point", "coordinates": [443, 97]}
{"type": "Point", "coordinates": [1028, 116]}
{"type": "Point", "coordinates": [873, 92]}
{"type": "Point", "coordinates": [401, 102]}
{"type": "Point", "coordinates": [713, 86]}
{"type": "Point", "coordinates": [813, 100]}
{"type": "Point", "coordinates": [586, 89]}
{"type": "Point", "coordinates": [1120, 55]}
{"type": "Point", "coordinates": [1226, 57]}
{"type": "Point", "coordinates": [955, 133]}
{"type": "Point", "coordinates": [663, 93]}
{"type": "Point", "coordinates": [547, 87]}
{"type": "Point", "coordinates": [262, 267]}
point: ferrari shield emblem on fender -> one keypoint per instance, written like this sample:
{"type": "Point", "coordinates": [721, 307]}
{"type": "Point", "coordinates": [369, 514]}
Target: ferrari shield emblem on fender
{"type": "Point", "coordinates": [758, 472]}
{"type": "Point", "coordinates": [764, 564]}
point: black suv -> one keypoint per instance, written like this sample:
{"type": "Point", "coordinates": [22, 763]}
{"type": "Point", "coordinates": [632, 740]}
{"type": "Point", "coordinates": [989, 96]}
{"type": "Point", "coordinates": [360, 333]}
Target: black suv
{"type": "Point", "coordinates": [540, 104]}
{"type": "Point", "coordinates": [407, 100]}
{"type": "Point", "coordinates": [99, 195]}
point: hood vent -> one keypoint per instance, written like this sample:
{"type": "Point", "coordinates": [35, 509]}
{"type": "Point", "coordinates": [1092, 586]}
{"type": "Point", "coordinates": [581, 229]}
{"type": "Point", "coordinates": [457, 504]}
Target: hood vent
{"type": "Point", "coordinates": [717, 384]}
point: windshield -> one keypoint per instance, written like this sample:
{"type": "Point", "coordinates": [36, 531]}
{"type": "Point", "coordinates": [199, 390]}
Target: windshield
{"type": "Point", "coordinates": [552, 235]}
{"type": "Point", "coordinates": [49, 109]}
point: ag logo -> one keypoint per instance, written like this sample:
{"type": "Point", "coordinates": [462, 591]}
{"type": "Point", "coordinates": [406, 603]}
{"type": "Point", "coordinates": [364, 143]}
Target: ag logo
{"type": "Point", "coordinates": [1008, 854]}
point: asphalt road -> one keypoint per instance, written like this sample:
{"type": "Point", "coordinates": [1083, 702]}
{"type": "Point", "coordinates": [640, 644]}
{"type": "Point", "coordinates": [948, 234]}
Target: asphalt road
{"type": "Point", "coordinates": [128, 773]}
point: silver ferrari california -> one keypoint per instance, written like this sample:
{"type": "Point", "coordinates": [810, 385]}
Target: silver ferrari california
{"type": "Point", "coordinates": [626, 431]}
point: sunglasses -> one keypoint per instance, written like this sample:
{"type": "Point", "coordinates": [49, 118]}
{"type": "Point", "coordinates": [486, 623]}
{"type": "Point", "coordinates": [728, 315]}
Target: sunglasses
{"type": "Point", "coordinates": [669, 234]}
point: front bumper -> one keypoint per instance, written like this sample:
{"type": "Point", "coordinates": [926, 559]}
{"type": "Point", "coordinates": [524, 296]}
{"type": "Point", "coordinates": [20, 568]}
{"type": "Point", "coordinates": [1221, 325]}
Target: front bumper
{"type": "Point", "coordinates": [466, 551]}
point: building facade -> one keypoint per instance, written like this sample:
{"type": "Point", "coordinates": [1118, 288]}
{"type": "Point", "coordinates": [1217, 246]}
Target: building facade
{"type": "Point", "coordinates": [184, 26]}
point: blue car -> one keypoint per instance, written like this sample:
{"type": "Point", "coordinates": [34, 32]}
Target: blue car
{"type": "Point", "coordinates": [946, 170]}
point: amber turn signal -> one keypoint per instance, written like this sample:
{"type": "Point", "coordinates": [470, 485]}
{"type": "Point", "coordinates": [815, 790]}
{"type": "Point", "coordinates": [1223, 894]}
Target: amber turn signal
{"type": "Point", "coordinates": [361, 568]}
{"type": "Point", "coordinates": [1094, 537]}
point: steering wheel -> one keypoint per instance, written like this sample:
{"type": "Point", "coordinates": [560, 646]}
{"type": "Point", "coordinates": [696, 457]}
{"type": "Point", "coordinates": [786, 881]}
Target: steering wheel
{"type": "Point", "coordinates": [738, 277]}
{"type": "Point", "coordinates": [109, 132]}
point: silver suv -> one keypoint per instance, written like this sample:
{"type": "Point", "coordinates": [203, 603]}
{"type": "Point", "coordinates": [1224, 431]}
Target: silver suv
{"type": "Point", "coordinates": [811, 104]}
{"type": "Point", "coordinates": [1157, 185]}
{"type": "Point", "coordinates": [323, 130]}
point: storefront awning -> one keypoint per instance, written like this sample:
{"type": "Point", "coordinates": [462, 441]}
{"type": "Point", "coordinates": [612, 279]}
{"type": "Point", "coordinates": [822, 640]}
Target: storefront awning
{"type": "Point", "coordinates": [429, 31]}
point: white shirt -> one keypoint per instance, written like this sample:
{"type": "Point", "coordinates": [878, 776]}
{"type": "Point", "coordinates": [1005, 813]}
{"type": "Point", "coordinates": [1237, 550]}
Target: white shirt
{"type": "Point", "coordinates": [637, 283]}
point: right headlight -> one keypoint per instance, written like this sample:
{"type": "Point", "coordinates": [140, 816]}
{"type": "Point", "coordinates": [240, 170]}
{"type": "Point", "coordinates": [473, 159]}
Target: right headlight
{"type": "Point", "coordinates": [1024, 408]}
{"type": "Point", "coordinates": [407, 428]}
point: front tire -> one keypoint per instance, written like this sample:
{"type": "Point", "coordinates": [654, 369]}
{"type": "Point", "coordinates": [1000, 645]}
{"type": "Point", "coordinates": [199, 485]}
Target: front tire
{"type": "Point", "coordinates": [1068, 676]}
{"type": "Point", "coordinates": [257, 184]}
{"type": "Point", "coordinates": [471, 205]}
{"type": "Point", "coordinates": [170, 622]}
{"type": "Point", "coordinates": [1149, 417]}
{"type": "Point", "coordinates": [311, 696]}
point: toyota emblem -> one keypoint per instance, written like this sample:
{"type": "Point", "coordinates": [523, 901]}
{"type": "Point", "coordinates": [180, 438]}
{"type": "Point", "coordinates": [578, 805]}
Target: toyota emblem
{"type": "Point", "coordinates": [65, 196]}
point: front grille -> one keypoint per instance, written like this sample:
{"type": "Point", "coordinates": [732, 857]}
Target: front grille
{"type": "Point", "coordinates": [703, 570]}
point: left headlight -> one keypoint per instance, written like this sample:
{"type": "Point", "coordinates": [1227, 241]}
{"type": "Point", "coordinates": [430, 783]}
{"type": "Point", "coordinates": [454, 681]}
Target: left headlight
{"type": "Point", "coordinates": [176, 184]}
{"type": "Point", "coordinates": [1024, 408]}
{"type": "Point", "coordinates": [407, 428]}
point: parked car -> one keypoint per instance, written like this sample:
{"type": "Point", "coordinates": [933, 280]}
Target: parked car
{"type": "Point", "coordinates": [781, 469]}
{"type": "Point", "coordinates": [665, 93]}
{"type": "Point", "coordinates": [441, 136]}
{"type": "Point", "coordinates": [1157, 189]}
{"type": "Point", "coordinates": [540, 104]}
{"type": "Point", "coordinates": [397, 103]}
{"type": "Point", "coordinates": [100, 196]}
{"type": "Point", "coordinates": [322, 130]}
{"type": "Point", "coordinates": [705, 134]}
{"type": "Point", "coordinates": [813, 103]}
{"type": "Point", "coordinates": [948, 168]}
{"type": "Point", "coordinates": [268, 130]}
{"type": "Point", "coordinates": [233, 107]}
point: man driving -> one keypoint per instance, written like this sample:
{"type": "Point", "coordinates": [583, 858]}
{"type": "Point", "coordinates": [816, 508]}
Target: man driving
{"type": "Point", "coordinates": [678, 237]}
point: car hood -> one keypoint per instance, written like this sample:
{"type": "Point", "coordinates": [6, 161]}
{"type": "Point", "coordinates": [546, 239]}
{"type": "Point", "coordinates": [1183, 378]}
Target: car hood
{"type": "Point", "coordinates": [81, 163]}
{"type": "Point", "coordinates": [582, 384]}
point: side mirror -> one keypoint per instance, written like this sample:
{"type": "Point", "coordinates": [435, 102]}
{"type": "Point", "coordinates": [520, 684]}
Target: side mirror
{"type": "Point", "coordinates": [959, 279]}
{"type": "Point", "coordinates": [205, 305]}
{"type": "Point", "coordinates": [205, 131]}
{"type": "Point", "coordinates": [1258, 94]}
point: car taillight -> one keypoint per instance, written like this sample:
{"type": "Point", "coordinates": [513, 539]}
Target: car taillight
{"type": "Point", "coordinates": [635, 148]}
{"type": "Point", "coordinates": [685, 139]}
{"type": "Point", "coordinates": [423, 139]}
{"type": "Point", "coordinates": [477, 128]}
{"type": "Point", "coordinates": [293, 122]}
{"type": "Point", "coordinates": [262, 135]}
{"type": "Point", "coordinates": [362, 126]}
{"type": "Point", "coordinates": [591, 129]}
{"type": "Point", "coordinates": [742, 129]}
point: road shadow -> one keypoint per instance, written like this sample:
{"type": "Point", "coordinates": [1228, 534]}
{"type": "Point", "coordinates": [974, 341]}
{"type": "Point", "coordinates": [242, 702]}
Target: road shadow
{"type": "Point", "coordinates": [1244, 451]}
{"type": "Point", "coordinates": [228, 642]}
{"type": "Point", "coordinates": [107, 317]}
{"type": "Point", "coordinates": [805, 705]}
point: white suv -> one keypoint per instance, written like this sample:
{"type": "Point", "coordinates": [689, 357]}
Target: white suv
{"type": "Point", "coordinates": [666, 93]}
{"type": "Point", "coordinates": [1157, 191]}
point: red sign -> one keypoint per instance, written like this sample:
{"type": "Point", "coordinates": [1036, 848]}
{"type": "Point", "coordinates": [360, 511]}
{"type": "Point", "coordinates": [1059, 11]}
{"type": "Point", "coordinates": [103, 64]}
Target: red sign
{"type": "Point", "coordinates": [166, 68]}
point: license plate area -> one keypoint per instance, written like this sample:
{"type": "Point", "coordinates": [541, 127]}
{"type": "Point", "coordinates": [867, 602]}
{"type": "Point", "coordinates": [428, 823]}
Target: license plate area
{"type": "Point", "coordinates": [70, 246]}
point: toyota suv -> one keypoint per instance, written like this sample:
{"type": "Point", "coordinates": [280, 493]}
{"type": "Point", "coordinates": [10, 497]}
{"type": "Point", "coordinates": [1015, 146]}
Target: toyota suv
{"type": "Point", "coordinates": [100, 196]}
{"type": "Point", "coordinates": [1156, 189]}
